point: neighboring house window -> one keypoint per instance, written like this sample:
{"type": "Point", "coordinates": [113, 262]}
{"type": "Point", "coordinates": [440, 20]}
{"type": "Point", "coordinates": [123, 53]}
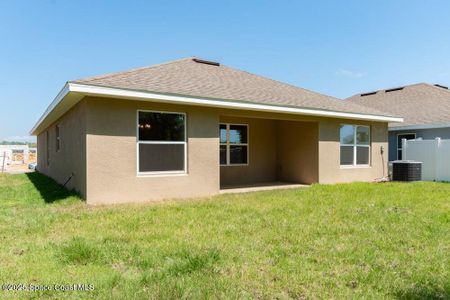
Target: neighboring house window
{"type": "Point", "coordinates": [58, 140]}
{"type": "Point", "coordinates": [161, 142]}
{"type": "Point", "coordinates": [47, 143]}
{"type": "Point", "coordinates": [400, 137]}
{"type": "Point", "coordinates": [32, 155]}
{"type": "Point", "coordinates": [233, 144]}
{"type": "Point", "coordinates": [18, 155]}
{"type": "Point", "coordinates": [355, 145]}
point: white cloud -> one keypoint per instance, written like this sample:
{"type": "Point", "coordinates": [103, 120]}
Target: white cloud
{"type": "Point", "coordinates": [20, 138]}
{"type": "Point", "coordinates": [350, 73]}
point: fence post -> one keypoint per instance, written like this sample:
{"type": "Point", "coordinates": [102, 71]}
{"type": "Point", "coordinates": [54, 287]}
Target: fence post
{"type": "Point", "coordinates": [404, 145]}
{"type": "Point", "coordinates": [437, 145]}
{"type": "Point", "coordinates": [3, 163]}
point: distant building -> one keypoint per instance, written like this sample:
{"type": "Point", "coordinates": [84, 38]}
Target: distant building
{"type": "Point", "coordinates": [16, 155]}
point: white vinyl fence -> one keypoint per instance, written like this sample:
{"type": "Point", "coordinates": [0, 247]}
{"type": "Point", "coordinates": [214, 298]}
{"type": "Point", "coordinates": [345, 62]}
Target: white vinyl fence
{"type": "Point", "coordinates": [434, 155]}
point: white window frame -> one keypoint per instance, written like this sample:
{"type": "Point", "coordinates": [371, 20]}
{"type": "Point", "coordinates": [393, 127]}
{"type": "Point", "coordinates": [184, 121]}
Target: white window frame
{"type": "Point", "coordinates": [355, 146]}
{"type": "Point", "coordinates": [399, 147]}
{"type": "Point", "coordinates": [138, 142]}
{"type": "Point", "coordinates": [228, 144]}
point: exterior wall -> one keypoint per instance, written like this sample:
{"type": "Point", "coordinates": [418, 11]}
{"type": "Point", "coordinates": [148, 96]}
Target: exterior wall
{"type": "Point", "coordinates": [426, 134]}
{"type": "Point", "coordinates": [306, 151]}
{"type": "Point", "coordinates": [98, 144]}
{"type": "Point", "coordinates": [71, 157]}
{"type": "Point", "coordinates": [262, 147]}
{"type": "Point", "coordinates": [112, 154]}
{"type": "Point", "coordinates": [297, 149]}
{"type": "Point", "coordinates": [330, 170]}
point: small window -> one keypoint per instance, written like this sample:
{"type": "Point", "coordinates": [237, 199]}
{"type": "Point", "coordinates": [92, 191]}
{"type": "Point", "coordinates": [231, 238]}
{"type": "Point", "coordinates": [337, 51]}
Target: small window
{"type": "Point", "coordinates": [47, 144]}
{"type": "Point", "coordinates": [17, 155]}
{"type": "Point", "coordinates": [355, 145]}
{"type": "Point", "coordinates": [161, 142]}
{"type": "Point", "coordinates": [233, 144]}
{"type": "Point", "coordinates": [58, 140]}
{"type": "Point", "coordinates": [400, 137]}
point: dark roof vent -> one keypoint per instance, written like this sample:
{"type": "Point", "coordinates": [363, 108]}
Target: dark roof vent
{"type": "Point", "coordinates": [394, 89]}
{"type": "Point", "coordinates": [441, 86]}
{"type": "Point", "coordinates": [368, 94]}
{"type": "Point", "coordinates": [206, 62]}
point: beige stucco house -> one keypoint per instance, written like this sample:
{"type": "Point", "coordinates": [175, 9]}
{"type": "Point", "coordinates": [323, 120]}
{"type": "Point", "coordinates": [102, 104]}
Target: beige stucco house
{"type": "Point", "coordinates": [191, 127]}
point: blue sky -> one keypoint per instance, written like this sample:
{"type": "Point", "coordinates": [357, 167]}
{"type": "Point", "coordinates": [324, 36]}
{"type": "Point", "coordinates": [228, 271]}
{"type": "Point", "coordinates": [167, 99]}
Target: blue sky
{"type": "Point", "coordinates": [334, 47]}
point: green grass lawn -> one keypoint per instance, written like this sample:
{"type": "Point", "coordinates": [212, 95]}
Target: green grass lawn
{"type": "Point", "coordinates": [328, 241]}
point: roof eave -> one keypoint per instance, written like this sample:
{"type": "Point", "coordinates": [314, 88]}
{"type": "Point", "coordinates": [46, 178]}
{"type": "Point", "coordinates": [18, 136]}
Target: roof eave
{"type": "Point", "coordinates": [420, 126]}
{"type": "Point", "coordinates": [62, 93]}
{"type": "Point", "coordinates": [92, 90]}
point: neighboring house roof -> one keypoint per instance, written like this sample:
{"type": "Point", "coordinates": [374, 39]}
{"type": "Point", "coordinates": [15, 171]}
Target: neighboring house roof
{"type": "Point", "coordinates": [198, 82]}
{"type": "Point", "coordinates": [422, 105]}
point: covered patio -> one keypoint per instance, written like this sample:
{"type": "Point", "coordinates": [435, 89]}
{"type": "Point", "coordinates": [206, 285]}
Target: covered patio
{"type": "Point", "coordinates": [261, 154]}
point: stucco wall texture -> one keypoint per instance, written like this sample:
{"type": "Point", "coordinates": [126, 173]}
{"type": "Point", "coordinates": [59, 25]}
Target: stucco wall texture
{"type": "Point", "coordinates": [98, 144]}
{"type": "Point", "coordinates": [330, 170]}
{"type": "Point", "coordinates": [71, 157]}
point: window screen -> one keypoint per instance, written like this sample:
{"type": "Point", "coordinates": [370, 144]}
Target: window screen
{"type": "Point", "coordinates": [161, 157]}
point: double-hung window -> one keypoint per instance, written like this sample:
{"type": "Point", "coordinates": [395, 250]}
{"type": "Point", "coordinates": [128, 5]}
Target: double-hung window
{"type": "Point", "coordinates": [233, 144]}
{"type": "Point", "coordinates": [355, 145]}
{"type": "Point", "coordinates": [161, 142]}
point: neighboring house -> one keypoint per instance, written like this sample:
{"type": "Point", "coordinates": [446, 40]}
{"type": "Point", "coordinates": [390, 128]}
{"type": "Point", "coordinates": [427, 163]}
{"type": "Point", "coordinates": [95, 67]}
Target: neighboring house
{"type": "Point", "coordinates": [424, 107]}
{"type": "Point", "coordinates": [15, 155]}
{"type": "Point", "coordinates": [191, 127]}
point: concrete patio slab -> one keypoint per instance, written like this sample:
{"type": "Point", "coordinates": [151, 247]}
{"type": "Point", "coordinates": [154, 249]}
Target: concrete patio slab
{"type": "Point", "coordinates": [260, 187]}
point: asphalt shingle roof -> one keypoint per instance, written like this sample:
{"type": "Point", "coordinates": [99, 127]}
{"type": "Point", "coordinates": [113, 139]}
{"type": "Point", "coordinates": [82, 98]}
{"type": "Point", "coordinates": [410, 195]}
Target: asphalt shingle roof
{"type": "Point", "coordinates": [418, 104]}
{"type": "Point", "coordinates": [190, 78]}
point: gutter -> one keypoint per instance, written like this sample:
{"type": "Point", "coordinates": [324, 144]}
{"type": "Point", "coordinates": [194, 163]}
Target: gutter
{"type": "Point", "coordinates": [93, 90]}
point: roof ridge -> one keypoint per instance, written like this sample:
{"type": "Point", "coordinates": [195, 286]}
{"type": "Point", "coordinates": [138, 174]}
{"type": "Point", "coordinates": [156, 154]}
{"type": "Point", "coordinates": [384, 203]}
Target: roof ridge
{"type": "Point", "coordinates": [112, 74]}
{"type": "Point", "coordinates": [386, 89]}
{"type": "Point", "coordinates": [436, 87]}
{"type": "Point", "coordinates": [402, 86]}
{"type": "Point", "coordinates": [280, 82]}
